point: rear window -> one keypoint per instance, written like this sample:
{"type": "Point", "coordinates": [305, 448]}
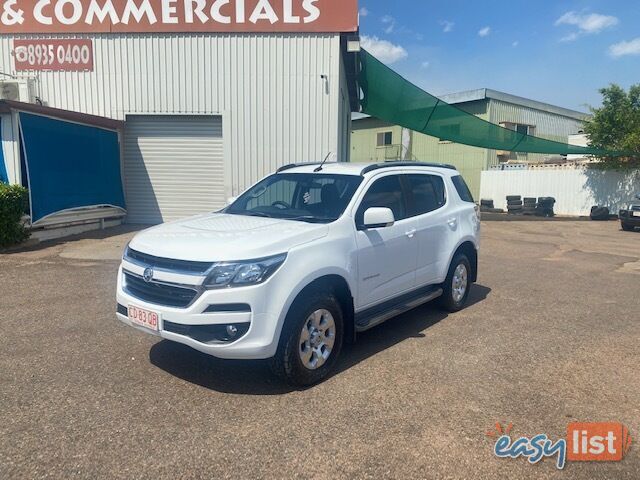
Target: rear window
{"type": "Point", "coordinates": [463, 190]}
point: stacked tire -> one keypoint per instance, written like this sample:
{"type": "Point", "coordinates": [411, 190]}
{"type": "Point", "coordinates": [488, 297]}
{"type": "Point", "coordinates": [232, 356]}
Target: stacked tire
{"type": "Point", "coordinates": [545, 207]}
{"type": "Point", "coordinates": [530, 204]}
{"type": "Point", "coordinates": [599, 213]}
{"type": "Point", "coordinates": [514, 205]}
{"type": "Point", "coordinates": [487, 206]}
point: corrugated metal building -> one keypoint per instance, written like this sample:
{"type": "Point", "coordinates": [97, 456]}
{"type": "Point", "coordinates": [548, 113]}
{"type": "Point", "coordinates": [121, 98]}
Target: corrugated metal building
{"type": "Point", "coordinates": [373, 139]}
{"type": "Point", "coordinates": [209, 107]}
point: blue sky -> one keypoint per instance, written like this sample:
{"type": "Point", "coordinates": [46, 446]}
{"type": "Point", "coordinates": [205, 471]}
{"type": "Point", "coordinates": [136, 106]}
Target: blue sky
{"type": "Point", "coordinates": [559, 52]}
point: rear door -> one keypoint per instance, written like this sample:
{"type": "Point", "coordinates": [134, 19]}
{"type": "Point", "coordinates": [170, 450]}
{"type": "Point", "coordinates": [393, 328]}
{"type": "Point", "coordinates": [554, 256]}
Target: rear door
{"type": "Point", "coordinates": [435, 229]}
{"type": "Point", "coordinates": [386, 256]}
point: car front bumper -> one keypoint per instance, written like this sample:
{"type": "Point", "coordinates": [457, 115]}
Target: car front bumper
{"type": "Point", "coordinates": [259, 342]}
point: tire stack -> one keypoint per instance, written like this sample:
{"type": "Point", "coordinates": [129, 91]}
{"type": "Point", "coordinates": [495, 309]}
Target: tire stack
{"type": "Point", "coordinates": [514, 205]}
{"type": "Point", "coordinates": [545, 207]}
{"type": "Point", "coordinates": [487, 206]}
{"type": "Point", "coordinates": [530, 206]}
{"type": "Point", "coordinates": [599, 213]}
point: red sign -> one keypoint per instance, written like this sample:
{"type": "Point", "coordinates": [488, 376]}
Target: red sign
{"type": "Point", "coordinates": [119, 16]}
{"type": "Point", "coordinates": [46, 54]}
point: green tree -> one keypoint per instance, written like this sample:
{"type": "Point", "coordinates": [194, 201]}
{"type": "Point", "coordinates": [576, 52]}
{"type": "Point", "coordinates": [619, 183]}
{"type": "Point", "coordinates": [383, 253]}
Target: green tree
{"type": "Point", "coordinates": [616, 126]}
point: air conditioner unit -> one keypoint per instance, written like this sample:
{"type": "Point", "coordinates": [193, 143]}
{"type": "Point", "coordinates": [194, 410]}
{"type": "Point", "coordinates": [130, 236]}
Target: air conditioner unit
{"type": "Point", "coordinates": [16, 90]}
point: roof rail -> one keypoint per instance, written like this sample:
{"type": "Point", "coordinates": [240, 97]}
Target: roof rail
{"type": "Point", "coordinates": [379, 166]}
{"type": "Point", "coordinates": [304, 164]}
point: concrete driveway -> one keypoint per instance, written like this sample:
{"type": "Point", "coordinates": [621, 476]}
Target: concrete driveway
{"type": "Point", "coordinates": [551, 336]}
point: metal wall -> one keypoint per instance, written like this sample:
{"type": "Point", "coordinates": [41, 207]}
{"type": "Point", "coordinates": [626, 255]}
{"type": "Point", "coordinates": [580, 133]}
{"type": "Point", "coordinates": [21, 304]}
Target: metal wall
{"type": "Point", "coordinates": [276, 107]}
{"type": "Point", "coordinates": [547, 125]}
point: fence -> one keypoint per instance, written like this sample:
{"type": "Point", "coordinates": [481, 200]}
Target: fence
{"type": "Point", "coordinates": [575, 190]}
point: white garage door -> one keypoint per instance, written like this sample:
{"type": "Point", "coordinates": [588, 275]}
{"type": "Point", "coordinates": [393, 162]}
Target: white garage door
{"type": "Point", "coordinates": [173, 167]}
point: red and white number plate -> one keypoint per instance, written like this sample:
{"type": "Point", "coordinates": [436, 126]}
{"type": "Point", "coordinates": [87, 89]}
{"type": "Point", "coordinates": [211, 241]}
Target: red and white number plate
{"type": "Point", "coordinates": [144, 318]}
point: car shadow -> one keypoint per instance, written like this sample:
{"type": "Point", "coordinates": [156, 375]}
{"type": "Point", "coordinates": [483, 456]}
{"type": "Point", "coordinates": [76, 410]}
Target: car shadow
{"type": "Point", "coordinates": [254, 377]}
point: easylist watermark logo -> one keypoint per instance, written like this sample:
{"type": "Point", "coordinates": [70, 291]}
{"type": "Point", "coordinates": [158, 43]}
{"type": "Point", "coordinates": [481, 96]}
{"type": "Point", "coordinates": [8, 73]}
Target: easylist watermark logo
{"type": "Point", "coordinates": [585, 442]}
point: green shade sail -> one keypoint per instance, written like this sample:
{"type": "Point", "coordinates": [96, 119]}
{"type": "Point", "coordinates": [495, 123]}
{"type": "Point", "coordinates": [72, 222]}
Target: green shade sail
{"type": "Point", "coordinates": [391, 98]}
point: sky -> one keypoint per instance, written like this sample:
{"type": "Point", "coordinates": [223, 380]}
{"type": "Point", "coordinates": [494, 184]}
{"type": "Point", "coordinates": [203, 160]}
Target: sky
{"type": "Point", "coordinates": [560, 52]}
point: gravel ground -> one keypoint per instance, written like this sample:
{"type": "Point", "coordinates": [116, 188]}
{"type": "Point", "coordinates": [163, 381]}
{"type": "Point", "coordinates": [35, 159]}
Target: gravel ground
{"type": "Point", "coordinates": [551, 336]}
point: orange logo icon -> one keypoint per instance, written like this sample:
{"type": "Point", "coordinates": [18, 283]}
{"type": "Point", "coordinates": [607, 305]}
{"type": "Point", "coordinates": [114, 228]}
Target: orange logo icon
{"type": "Point", "coordinates": [597, 442]}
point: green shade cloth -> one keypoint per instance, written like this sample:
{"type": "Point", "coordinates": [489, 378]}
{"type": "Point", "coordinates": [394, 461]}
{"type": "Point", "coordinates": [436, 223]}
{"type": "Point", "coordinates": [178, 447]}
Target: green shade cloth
{"type": "Point", "coordinates": [391, 98]}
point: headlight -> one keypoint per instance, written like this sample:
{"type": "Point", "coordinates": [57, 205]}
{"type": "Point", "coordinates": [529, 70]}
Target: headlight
{"type": "Point", "coordinates": [238, 274]}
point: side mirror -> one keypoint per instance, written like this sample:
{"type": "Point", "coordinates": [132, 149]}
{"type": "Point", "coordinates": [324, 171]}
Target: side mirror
{"type": "Point", "coordinates": [231, 200]}
{"type": "Point", "coordinates": [378, 217]}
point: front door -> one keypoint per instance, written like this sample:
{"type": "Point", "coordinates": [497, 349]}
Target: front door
{"type": "Point", "coordinates": [386, 256]}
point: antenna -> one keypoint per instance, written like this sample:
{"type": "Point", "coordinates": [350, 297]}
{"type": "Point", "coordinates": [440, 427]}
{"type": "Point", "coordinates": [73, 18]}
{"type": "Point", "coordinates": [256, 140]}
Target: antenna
{"type": "Point", "coordinates": [319, 169]}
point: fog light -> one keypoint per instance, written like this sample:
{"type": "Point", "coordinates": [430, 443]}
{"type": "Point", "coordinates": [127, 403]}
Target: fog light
{"type": "Point", "coordinates": [232, 330]}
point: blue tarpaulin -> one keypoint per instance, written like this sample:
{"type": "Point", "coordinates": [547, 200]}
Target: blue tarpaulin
{"type": "Point", "coordinates": [70, 166]}
{"type": "Point", "coordinates": [3, 168]}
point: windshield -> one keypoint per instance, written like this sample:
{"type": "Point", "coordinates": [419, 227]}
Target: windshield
{"type": "Point", "coordinates": [308, 197]}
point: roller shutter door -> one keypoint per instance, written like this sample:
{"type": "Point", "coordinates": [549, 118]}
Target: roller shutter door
{"type": "Point", "coordinates": [173, 167]}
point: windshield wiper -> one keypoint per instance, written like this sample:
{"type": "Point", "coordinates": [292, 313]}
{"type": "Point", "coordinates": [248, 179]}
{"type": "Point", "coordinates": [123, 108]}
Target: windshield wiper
{"type": "Point", "coordinates": [255, 214]}
{"type": "Point", "coordinates": [311, 219]}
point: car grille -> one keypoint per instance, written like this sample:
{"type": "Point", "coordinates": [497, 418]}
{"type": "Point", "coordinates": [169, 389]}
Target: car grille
{"type": "Point", "coordinates": [159, 293]}
{"type": "Point", "coordinates": [185, 266]}
{"type": "Point", "coordinates": [635, 208]}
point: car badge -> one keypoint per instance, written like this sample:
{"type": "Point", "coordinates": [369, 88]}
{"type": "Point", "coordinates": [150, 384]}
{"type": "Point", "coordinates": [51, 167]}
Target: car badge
{"type": "Point", "coordinates": [148, 275]}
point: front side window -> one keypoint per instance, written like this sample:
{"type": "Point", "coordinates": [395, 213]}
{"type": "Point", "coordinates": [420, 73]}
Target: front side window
{"type": "Point", "coordinates": [427, 193]}
{"type": "Point", "coordinates": [462, 189]}
{"type": "Point", "coordinates": [309, 197]}
{"type": "Point", "coordinates": [385, 192]}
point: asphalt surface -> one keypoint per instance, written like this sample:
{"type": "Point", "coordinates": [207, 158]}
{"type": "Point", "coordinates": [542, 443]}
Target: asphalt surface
{"type": "Point", "coordinates": [551, 336]}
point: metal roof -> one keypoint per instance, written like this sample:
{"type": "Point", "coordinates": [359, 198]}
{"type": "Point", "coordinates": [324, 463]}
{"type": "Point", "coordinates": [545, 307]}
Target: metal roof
{"type": "Point", "coordinates": [487, 93]}
{"type": "Point", "coordinates": [7, 106]}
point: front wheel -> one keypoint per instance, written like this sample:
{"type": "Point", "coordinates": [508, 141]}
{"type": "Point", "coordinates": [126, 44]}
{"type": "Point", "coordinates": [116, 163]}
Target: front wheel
{"type": "Point", "coordinates": [626, 227]}
{"type": "Point", "coordinates": [311, 340]}
{"type": "Point", "coordinates": [455, 290]}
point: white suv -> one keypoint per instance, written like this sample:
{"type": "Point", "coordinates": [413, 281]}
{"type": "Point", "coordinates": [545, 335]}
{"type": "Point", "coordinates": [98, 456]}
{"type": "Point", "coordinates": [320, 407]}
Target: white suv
{"type": "Point", "coordinates": [303, 261]}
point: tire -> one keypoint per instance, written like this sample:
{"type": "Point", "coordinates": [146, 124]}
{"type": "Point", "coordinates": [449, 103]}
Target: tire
{"type": "Point", "coordinates": [515, 207]}
{"type": "Point", "coordinates": [530, 200]}
{"type": "Point", "coordinates": [451, 300]}
{"type": "Point", "coordinates": [626, 227]}
{"type": "Point", "coordinates": [309, 312]}
{"type": "Point", "coordinates": [514, 197]}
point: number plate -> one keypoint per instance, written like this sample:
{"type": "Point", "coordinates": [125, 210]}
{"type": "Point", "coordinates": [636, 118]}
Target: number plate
{"type": "Point", "coordinates": [636, 214]}
{"type": "Point", "coordinates": [144, 318]}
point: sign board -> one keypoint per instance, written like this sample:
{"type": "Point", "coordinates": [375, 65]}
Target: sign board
{"type": "Point", "coordinates": [48, 54]}
{"type": "Point", "coordinates": [140, 16]}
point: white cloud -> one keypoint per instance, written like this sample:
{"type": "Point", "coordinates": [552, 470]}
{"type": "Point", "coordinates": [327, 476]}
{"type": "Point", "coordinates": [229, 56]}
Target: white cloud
{"type": "Point", "coordinates": [424, 65]}
{"type": "Point", "coordinates": [570, 38]}
{"type": "Point", "coordinates": [447, 26]}
{"type": "Point", "coordinates": [390, 22]}
{"type": "Point", "coordinates": [383, 50]}
{"type": "Point", "coordinates": [364, 12]}
{"type": "Point", "coordinates": [632, 47]}
{"type": "Point", "coordinates": [483, 32]}
{"type": "Point", "coordinates": [587, 23]}
{"type": "Point", "coordinates": [515, 44]}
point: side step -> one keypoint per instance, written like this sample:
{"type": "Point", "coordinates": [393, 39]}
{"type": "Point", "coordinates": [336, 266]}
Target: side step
{"type": "Point", "coordinates": [378, 314]}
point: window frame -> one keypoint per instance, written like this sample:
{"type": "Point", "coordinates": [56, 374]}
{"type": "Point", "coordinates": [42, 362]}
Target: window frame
{"type": "Point", "coordinates": [384, 139]}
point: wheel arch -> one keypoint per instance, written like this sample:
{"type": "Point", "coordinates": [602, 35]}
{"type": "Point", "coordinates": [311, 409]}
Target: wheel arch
{"type": "Point", "coordinates": [469, 249]}
{"type": "Point", "coordinates": [341, 289]}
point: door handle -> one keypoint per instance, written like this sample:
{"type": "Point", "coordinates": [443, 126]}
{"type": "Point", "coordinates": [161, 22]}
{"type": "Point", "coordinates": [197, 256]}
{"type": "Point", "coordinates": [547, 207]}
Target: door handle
{"type": "Point", "coordinates": [411, 233]}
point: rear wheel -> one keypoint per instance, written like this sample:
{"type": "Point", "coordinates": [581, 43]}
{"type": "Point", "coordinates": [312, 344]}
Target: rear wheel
{"type": "Point", "coordinates": [311, 340]}
{"type": "Point", "coordinates": [457, 285]}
